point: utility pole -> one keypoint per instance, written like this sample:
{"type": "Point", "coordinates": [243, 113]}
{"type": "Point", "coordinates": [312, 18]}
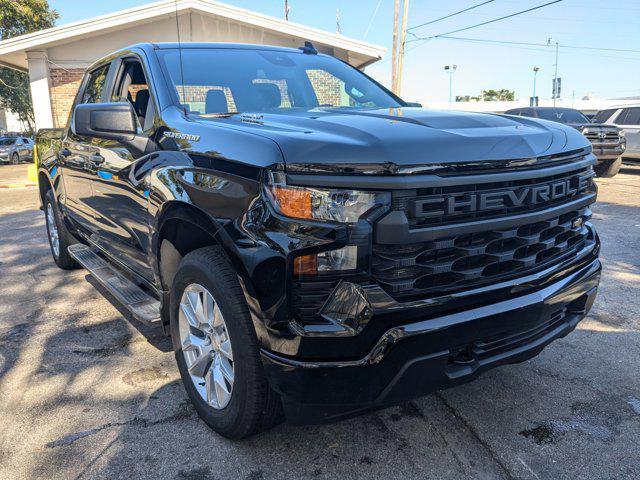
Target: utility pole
{"type": "Point", "coordinates": [403, 39]}
{"type": "Point", "coordinates": [555, 75]}
{"type": "Point", "coordinates": [535, 74]}
{"type": "Point", "coordinates": [394, 51]}
{"type": "Point", "coordinates": [286, 10]}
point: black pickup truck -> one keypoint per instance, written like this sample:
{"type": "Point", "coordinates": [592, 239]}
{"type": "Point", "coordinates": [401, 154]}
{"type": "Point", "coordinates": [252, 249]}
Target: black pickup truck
{"type": "Point", "coordinates": [314, 245]}
{"type": "Point", "coordinates": [608, 141]}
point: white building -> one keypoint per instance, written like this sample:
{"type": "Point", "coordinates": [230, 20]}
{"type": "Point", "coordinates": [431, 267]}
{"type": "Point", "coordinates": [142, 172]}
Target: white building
{"type": "Point", "coordinates": [56, 58]}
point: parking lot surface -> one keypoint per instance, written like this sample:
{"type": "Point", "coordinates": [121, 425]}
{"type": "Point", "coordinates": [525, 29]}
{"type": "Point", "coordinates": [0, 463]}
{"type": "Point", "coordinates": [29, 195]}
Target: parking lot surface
{"type": "Point", "coordinates": [89, 393]}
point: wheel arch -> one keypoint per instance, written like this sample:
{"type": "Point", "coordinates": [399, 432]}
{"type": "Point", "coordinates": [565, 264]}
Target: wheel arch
{"type": "Point", "coordinates": [44, 185]}
{"type": "Point", "coordinates": [182, 228]}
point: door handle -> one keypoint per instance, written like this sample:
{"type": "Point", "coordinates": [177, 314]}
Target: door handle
{"type": "Point", "coordinates": [96, 158]}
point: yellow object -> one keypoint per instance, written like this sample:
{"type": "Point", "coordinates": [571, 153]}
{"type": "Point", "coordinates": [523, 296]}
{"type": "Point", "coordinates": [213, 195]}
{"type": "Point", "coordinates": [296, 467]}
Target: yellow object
{"type": "Point", "coordinates": [32, 171]}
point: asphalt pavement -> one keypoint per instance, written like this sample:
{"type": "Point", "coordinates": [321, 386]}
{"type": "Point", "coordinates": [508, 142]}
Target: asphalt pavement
{"type": "Point", "coordinates": [85, 392]}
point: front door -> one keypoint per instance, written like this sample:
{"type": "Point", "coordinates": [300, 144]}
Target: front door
{"type": "Point", "coordinates": [120, 196]}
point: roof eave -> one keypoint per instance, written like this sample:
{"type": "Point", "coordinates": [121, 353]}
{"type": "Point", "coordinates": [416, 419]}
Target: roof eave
{"type": "Point", "coordinates": [44, 38]}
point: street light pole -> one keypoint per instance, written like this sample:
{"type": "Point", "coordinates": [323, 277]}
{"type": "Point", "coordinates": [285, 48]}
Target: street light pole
{"type": "Point", "coordinates": [450, 70]}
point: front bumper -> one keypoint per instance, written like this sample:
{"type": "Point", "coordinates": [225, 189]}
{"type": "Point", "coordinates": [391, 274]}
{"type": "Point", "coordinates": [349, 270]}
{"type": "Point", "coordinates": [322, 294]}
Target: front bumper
{"type": "Point", "coordinates": [418, 358]}
{"type": "Point", "coordinates": [608, 151]}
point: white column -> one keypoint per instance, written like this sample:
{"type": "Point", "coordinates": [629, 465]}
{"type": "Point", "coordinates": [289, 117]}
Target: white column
{"type": "Point", "coordinates": [40, 92]}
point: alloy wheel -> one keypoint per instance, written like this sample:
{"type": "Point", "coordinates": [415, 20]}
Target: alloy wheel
{"type": "Point", "coordinates": [53, 230]}
{"type": "Point", "coordinates": [206, 346]}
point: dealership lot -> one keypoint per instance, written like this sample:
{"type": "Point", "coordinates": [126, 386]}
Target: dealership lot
{"type": "Point", "coordinates": [87, 394]}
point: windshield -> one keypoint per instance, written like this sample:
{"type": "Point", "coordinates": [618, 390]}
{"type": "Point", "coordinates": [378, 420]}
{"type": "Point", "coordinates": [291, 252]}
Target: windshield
{"type": "Point", "coordinates": [562, 115]}
{"type": "Point", "coordinates": [230, 80]}
{"type": "Point", "coordinates": [7, 141]}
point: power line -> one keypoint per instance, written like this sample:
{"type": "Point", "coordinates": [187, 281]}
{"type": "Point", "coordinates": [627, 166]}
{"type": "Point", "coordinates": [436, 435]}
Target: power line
{"type": "Point", "coordinates": [373, 16]}
{"type": "Point", "coordinates": [450, 15]}
{"type": "Point", "coordinates": [532, 44]}
{"type": "Point", "coordinates": [488, 21]}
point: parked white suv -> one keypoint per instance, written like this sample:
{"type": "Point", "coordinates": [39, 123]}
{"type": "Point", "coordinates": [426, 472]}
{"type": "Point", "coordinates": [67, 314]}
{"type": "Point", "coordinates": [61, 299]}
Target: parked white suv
{"type": "Point", "coordinates": [628, 119]}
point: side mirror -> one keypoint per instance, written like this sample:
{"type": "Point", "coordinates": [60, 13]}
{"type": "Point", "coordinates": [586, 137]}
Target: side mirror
{"type": "Point", "coordinates": [115, 121]}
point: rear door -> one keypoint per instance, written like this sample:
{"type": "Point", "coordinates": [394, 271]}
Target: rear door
{"type": "Point", "coordinates": [629, 121]}
{"type": "Point", "coordinates": [25, 151]}
{"type": "Point", "coordinates": [80, 156]}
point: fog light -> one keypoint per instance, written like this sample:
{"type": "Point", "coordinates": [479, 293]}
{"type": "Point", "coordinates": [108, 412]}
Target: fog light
{"type": "Point", "coordinates": [348, 307]}
{"type": "Point", "coordinates": [345, 258]}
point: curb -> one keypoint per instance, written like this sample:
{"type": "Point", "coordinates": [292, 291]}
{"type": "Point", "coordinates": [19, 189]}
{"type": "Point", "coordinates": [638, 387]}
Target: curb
{"type": "Point", "coordinates": [19, 185]}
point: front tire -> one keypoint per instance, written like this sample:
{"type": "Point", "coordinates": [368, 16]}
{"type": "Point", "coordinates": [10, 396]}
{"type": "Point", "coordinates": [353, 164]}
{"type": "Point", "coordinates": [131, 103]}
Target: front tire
{"type": "Point", "coordinates": [216, 347]}
{"type": "Point", "coordinates": [59, 236]}
{"type": "Point", "coordinates": [608, 168]}
{"type": "Point", "coordinates": [15, 159]}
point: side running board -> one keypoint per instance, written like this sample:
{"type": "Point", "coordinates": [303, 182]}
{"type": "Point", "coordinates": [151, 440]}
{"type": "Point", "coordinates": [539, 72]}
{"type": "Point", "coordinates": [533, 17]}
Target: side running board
{"type": "Point", "coordinates": [142, 306]}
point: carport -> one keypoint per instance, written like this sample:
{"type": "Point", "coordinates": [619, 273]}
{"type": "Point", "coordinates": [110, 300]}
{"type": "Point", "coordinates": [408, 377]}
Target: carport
{"type": "Point", "coordinates": [56, 58]}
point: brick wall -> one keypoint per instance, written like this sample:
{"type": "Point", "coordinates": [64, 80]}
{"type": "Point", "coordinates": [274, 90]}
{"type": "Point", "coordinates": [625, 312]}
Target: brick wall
{"type": "Point", "coordinates": [64, 86]}
{"type": "Point", "coordinates": [327, 87]}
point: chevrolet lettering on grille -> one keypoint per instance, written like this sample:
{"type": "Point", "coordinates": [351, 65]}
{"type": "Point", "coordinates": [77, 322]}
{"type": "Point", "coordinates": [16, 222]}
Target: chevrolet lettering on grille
{"type": "Point", "coordinates": [524, 196]}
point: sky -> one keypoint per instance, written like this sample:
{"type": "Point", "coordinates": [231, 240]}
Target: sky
{"type": "Point", "coordinates": [610, 25]}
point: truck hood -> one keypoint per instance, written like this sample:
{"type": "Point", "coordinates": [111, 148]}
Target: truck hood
{"type": "Point", "coordinates": [402, 140]}
{"type": "Point", "coordinates": [580, 126]}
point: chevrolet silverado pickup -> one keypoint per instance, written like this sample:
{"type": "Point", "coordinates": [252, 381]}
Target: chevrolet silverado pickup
{"type": "Point", "coordinates": [315, 246]}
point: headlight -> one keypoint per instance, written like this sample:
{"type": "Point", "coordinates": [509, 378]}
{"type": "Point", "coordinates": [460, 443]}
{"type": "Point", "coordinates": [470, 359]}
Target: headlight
{"type": "Point", "coordinates": [621, 133]}
{"type": "Point", "coordinates": [334, 205]}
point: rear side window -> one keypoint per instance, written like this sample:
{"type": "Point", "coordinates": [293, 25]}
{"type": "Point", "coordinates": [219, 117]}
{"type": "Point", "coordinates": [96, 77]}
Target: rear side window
{"type": "Point", "coordinates": [95, 85]}
{"type": "Point", "coordinates": [629, 116]}
{"type": "Point", "coordinates": [603, 115]}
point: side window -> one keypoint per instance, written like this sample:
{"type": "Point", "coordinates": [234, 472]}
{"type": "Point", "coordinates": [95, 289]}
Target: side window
{"type": "Point", "coordinates": [632, 117]}
{"type": "Point", "coordinates": [95, 85]}
{"type": "Point", "coordinates": [603, 115]}
{"type": "Point", "coordinates": [132, 87]}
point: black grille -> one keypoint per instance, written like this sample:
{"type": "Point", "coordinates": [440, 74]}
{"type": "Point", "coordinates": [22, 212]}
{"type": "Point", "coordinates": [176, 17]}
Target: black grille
{"type": "Point", "coordinates": [448, 264]}
{"type": "Point", "coordinates": [410, 201]}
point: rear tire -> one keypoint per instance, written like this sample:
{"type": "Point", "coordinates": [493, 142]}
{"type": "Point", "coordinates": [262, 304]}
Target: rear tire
{"type": "Point", "coordinates": [608, 168]}
{"type": "Point", "coordinates": [243, 403]}
{"type": "Point", "coordinates": [58, 234]}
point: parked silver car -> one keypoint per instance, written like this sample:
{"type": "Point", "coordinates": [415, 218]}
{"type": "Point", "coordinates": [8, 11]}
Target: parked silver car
{"type": "Point", "coordinates": [628, 119]}
{"type": "Point", "coordinates": [15, 149]}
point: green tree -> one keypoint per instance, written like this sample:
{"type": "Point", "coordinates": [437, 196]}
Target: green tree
{"type": "Point", "coordinates": [18, 18]}
{"type": "Point", "coordinates": [503, 95]}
